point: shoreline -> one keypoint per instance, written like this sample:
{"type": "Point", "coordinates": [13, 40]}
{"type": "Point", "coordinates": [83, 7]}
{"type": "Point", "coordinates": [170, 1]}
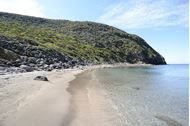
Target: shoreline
{"type": "Point", "coordinates": [25, 98]}
{"type": "Point", "coordinates": [88, 103]}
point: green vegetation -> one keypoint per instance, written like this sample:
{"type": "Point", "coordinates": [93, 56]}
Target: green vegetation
{"type": "Point", "coordinates": [84, 41]}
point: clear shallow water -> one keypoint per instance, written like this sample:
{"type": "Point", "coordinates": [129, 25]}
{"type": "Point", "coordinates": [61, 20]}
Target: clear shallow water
{"type": "Point", "coordinates": [147, 95]}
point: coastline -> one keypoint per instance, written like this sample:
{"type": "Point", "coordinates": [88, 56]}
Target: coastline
{"type": "Point", "coordinates": [26, 101]}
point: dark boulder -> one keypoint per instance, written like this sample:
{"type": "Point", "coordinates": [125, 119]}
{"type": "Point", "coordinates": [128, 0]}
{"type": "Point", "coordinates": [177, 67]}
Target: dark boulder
{"type": "Point", "coordinates": [41, 78]}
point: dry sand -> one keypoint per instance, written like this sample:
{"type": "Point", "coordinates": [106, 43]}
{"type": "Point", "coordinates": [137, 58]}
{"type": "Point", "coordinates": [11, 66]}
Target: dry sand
{"type": "Point", "coordinates": [27, 102]}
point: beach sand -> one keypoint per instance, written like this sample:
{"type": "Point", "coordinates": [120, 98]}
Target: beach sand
{"type": "Point", "coordinates": [88, 103]}
{"type": "Point", "coordinates": [28, 102]}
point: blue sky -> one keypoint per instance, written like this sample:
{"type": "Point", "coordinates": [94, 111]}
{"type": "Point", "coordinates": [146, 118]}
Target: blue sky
{"type": "Point", "coordinates": [162, 23]}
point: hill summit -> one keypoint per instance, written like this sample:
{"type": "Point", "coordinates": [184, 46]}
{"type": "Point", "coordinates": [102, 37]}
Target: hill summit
{"type": "Point", "coordinates": [44, 43]}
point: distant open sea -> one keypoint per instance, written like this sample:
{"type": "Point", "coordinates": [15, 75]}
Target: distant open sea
{"type": "Point", "coordinates": [147, 95]}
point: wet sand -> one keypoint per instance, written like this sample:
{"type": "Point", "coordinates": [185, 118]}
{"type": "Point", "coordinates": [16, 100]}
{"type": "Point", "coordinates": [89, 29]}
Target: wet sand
{"type": "Point", "coordinates": [88, 105]}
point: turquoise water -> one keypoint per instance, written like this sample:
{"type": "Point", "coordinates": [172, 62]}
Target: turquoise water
{"type": "Point", "coordinates": [147, 95]}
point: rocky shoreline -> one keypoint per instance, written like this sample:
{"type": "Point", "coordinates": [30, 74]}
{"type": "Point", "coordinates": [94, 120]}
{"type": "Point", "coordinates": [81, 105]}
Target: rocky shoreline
{"type": "Point", "coordinates": [22, 69]}
{"type": "Point", "coordinates": [22, 56]}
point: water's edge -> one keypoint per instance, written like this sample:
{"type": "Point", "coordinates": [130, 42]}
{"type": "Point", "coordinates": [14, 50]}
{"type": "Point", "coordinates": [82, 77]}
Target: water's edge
{"type": "Point", "coordinates": [136, 96]}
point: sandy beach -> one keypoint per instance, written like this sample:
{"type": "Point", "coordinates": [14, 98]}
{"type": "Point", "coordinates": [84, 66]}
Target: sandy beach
{"type": "Point", "coordinates": [28, 102]}
{"type": "Point", "coordinates": [76, 97]}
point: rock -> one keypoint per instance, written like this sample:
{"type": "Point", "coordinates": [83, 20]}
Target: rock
{"type": "Point", "coordinates": [65, 65]}
{"type": "Point", "coordinates": [41, 62]}
{"type": "Point", "coordinates": [27, 68]}
{"type": "Point", "coordinates": [18, 60]}
{"type": "Point", "coordinates": [32, 65]}
{"type": "Point", "coordinates": [41, 78]}
{"type": "Point", "coordinates": [18, 70]}
{"type": "Point", "coordinates": [45, 66]}
{"type": "Point", "coordinates": [9, 63]}
{"type": "Point", "coordinates": [38, 60]}
{"type": "Point", "coordinates": [32, 60]}
{"type": "Point", "coordinates": [2, 68]}
{"type": "Point", "coordinates": [51, 66]}
{"type": "Point", "coordinates": [99, 45]}
{"type": "Point", "coordinates": [10, 70]}
{"type": "Point", "coordinates": [58, 65]}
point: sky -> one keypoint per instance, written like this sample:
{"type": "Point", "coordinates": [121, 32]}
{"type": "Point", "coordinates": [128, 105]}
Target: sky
{"type": "Point", "coordinates": [164, 24]}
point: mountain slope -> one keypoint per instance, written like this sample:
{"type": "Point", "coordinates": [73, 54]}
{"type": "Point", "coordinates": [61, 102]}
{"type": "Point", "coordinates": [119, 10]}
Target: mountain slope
{"type": "Point", "coordinates": [72, 42]}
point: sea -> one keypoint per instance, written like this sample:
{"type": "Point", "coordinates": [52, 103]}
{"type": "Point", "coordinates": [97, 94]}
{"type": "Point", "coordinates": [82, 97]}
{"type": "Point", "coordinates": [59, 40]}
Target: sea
{"type": "Point", "coordinates": [147, 95]}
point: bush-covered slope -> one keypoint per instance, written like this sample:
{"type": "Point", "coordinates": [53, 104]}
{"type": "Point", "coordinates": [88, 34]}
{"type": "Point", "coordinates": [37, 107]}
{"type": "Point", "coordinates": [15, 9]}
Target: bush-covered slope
{"type": "Point", "coordinates": [78, 42]}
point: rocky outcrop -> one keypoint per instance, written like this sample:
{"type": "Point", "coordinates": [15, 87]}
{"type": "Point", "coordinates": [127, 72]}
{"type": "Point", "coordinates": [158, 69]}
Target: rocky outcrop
{"type": "Point", "coordinates": [15, 53]}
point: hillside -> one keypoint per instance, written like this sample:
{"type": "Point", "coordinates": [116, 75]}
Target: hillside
{"type": "Point", "coordinates": [42, 43]}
